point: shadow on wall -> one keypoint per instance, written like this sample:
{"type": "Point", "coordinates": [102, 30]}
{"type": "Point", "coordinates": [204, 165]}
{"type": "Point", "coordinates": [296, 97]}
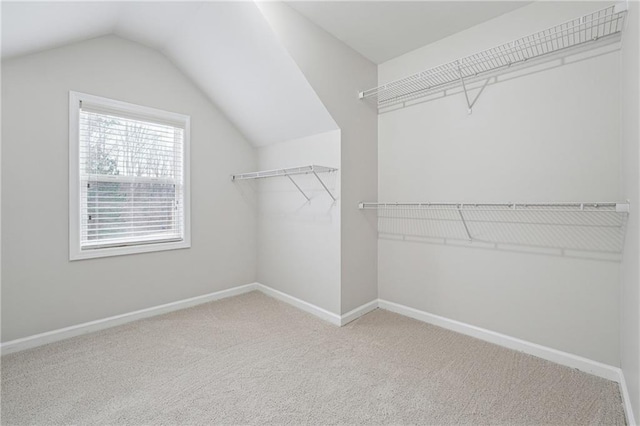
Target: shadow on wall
{"type": "Point", "coordinates": [285, 198]}
{"type": "Point", "coordinates": [597, 235]}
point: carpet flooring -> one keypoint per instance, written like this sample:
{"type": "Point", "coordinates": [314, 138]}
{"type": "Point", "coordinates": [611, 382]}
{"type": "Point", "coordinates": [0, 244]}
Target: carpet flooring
{"type": "Point", "coordinates": [251, 359]}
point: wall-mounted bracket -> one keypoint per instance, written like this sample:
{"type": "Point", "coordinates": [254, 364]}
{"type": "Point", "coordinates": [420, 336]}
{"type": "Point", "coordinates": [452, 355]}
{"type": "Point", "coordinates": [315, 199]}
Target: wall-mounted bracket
{"type": "Point", "coordinates": [298, 186]}
{"type": "Point", "coordinates": [464, 222]}
{"type": "Point", "coordinates": [324, 186]}
{"type": "Point", "coordinates": [464, 88]}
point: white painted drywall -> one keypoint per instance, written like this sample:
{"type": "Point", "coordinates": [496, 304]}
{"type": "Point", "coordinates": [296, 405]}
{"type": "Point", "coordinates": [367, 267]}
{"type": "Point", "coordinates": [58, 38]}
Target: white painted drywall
{"type": "Point", "coordinates": [41, 289]}
{"type": "Point", "coordinates": [229, 49]}
{"type": "Point", "coordinates": [337, 73]}
{"type": "Point", "coordinates": [544, 136]}
{"type": "Point", "coordinates": [630, 279]}
{"type": "Point", "coordinates": [299, 241]}
{"type": "Point", "coordinates": [226, 48]}
{"type": "Point", "coordinates": [30, 27]}
{"type": "Point", "coordinates": [383, 30]}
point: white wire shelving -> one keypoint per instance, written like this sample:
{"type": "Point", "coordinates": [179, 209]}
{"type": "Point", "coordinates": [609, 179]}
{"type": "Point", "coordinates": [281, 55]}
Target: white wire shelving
{"type": "Point", "coordinates": [591, 30]}
{"type": "Point", "coordinates": [571, 206]}
{"type": "Point", "coordinates": [288, 173]}
{"type": "Point", "coordinates": [587, 228]}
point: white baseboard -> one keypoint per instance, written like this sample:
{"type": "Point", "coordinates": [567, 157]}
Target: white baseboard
{"type": "Point", "coordinates": [559, 357]}
{"type": "Point", "coordinates": [334, 319]}
{"type": "Point", "coordinates": [358, 312]}
{"type": "Point", "coordinates": [554, 355]}
{"type": "Point", "coordinates": [300, 304]}
{"type": "Point", "coordinates": [596, 368]}
{"type": "Point", "coordinates": [101, 324]}
{"type": "Point", "coordinates": [626, 401]}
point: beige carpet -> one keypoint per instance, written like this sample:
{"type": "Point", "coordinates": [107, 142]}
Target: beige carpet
{"type": "Point", "coordinates": [253, 360]}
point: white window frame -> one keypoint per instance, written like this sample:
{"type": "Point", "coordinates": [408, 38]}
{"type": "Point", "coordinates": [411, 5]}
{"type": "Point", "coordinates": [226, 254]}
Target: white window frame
{"type": "Point", "coordinates": [75, 250]}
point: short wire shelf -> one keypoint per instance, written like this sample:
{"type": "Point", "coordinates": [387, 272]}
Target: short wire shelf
{"type": "Point", "coordinates": [288, 173]}
{"type": "Point", "coordinates": [591, 29]}
{"type": "Point", "coordinates": [587, 228]}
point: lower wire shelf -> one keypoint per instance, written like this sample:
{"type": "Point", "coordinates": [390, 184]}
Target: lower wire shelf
{"type": "Point", "coordinates": [590, 229]}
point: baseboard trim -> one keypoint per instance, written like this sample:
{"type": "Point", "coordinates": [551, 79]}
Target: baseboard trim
{"type": "Point", "coordinates": [358, 312]}
{"type": "Point", "coordinates": [626, 401]}
{"type": "Point", "coordinates": [559, 357]}
{"type": "Point", "coordinates": [334, 319]}
{"type": "Point", "coordinates": [101, 324]}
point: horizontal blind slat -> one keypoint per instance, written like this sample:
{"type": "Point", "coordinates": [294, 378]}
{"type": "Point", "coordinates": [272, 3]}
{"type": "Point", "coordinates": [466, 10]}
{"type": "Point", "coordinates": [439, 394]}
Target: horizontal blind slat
{"type": "Point", "coordinates": [120, 242]}
{"type": "Point", "coordinates": [130, 213]}
{"type": "Point", "coordinates": [126, 228]}
{"type": "Point", "coordinates": [133, 236]}
{"type": "Point", "coordinates": [106, 142]}
{"type": "Point", "coordinates": [87, 123]}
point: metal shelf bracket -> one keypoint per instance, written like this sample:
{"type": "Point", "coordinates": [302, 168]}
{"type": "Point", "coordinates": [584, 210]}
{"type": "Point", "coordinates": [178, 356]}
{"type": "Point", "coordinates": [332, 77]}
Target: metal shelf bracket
{"type": "Point", "coordinates": [466, 94]}
{"type": "Point", "coordinates": [297, 186]}
{"type": "Point", "coordinates": [464, 222]}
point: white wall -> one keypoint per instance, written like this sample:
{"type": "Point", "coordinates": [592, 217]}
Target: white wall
{"type": "Point", "coordinates": [299, 241]}
{"type": "Point", "coordinates": [337, 73]}
{"type": "Point", "coordinates": [545, 136]}
{"type": "Point", "coordinates": [630, 289]}
{"type": "Point", "coordinates": [259, 88]}
{"type": "Point", "coordinates": [41, 289]}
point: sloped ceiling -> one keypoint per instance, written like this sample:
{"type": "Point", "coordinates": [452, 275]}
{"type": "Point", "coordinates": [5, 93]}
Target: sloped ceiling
{"type": "Point", "coordinates": [383, 30]}
{"type": "Point", "coordinates": [226, 48]}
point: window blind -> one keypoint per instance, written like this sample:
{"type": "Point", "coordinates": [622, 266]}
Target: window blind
{"type": "Point", "coordinates": [131, 179]}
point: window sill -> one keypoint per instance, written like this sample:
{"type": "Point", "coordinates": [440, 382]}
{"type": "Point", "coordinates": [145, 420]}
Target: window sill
{"type": "Point", "coordinates": [122, 251]}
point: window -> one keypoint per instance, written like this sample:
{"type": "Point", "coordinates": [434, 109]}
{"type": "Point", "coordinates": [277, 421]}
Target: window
{"type": "Point", "coordinates": [128, 178]}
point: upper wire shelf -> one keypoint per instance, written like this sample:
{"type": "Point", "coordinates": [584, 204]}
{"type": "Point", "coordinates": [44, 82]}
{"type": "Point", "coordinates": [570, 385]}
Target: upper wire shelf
{"type": "Point", "coordinates": [591, 230]}
{"type": "Point", "coordinates": [289, 172]}
{"type": "Point", "coordinates": [598, 26]}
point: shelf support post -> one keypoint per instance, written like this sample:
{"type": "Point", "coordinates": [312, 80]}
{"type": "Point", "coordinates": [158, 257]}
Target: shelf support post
{"type": "Point", "coordinates": [297, 186]}
{"type": "Point", "coordinates": [464, 87]}
{"type": "Point", "coordinates": [464, 223]}
{"type": "Point", "coordinates": [323, 185]}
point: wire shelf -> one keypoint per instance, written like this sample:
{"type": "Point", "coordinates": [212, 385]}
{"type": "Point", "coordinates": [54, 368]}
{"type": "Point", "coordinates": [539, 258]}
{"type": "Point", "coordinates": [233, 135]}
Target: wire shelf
{"type": "Point", "coordinates": [571, 206]}
{"type": "Point", "coordinates": [590, 229]}
{"type": "Point", "coordinates": [288, 173]}
{"type": "Point", "coordinates": [291, 171]}
{"type": "Point", "coordinates": [596, 27]}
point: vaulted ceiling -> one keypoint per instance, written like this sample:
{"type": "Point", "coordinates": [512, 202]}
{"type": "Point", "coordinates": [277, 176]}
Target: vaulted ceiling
{"type": "Point", "coordinates": [231, 53]}
{"type": "Point", "coordinates": [226, 48]}
{"type": "Point", "coordinates": [382, 30]}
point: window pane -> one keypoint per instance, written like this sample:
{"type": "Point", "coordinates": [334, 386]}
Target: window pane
{"type": "Point", "coordinates": [119, 146]}
{"type": "Point", "coordinates": [128, 211]}
{"type": "Point", "coordinates": [132, 180]}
